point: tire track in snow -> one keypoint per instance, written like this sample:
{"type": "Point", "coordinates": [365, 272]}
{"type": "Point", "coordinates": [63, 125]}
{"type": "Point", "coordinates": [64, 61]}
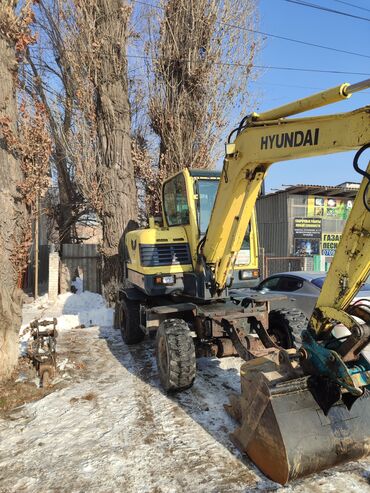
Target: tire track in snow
{"type": "Point", "coordinates": [202, 464]}
{"type": "Point", "coordinates": [131, 437]}
{"type": "Point", "coordinates": [204, 406]}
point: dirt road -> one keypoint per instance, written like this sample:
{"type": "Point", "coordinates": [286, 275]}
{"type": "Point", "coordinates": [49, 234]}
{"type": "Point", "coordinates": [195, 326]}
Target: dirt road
{"type": "Point", "coordinates": [111, 429]}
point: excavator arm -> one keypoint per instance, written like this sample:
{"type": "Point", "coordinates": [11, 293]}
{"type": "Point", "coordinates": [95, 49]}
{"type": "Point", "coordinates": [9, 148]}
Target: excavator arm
{"type": "Point", "coordinates": [261, 141]}
{"type": "Point", "coordinates": [301, 410]}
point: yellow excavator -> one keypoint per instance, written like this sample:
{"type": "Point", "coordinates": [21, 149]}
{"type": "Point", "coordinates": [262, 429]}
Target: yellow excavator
{"type": "Point", "coordinates": [304, 404]}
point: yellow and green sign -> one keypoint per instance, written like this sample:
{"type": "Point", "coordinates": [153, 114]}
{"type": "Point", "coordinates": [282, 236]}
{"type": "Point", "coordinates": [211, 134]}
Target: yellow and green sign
{"type": "Point", "coordinates": [329, 243]}
{"type": "Point", "coordinates": [328, 207]}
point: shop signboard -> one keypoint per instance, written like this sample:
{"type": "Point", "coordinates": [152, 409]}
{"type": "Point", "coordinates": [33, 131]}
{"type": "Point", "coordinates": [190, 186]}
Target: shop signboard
{"type": "Point", "coordinates": [329, 243]}
{"type": "Point", "coordinates": [307, 235]}
{"type": "Point", "coordinates": [328, 207]}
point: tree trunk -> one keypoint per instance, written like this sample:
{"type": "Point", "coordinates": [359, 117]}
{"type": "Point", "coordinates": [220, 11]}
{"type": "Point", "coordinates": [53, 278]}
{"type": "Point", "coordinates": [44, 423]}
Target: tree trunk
{"type": "Point", "coordinates": [113, 117]}
{"type": "Point", "coordinates": [67, 198]}
{"type": "Point", "coordinates": [12, 219]}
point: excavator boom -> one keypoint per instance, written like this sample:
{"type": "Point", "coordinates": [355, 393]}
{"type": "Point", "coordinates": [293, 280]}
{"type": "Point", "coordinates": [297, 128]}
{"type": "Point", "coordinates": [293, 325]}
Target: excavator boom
{"type": "Point", "coordinates": [247, 161]}
{"type": "Point", "coordinates": [301, 411]}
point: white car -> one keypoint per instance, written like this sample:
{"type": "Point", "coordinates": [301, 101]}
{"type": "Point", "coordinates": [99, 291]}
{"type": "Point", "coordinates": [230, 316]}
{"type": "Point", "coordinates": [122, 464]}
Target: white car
{"type": "Point", "coordinates": [303, 288]}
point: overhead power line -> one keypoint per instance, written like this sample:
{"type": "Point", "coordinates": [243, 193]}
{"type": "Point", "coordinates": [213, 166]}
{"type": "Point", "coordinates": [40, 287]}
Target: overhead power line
{"type": "Point", "coordinates": [269, 67]}
{"type": "Point", "coordinates": [352, 5]}
{"type": "Point", "coordinates": [149, 5]}
{"type": "Point", "coordinates": [276, 36]}
{"type": "Point", "coordinates": [307, 43]}
{"type": "Point", "coordinates": [326, 9]}
{"type": "Point", "coordinates": [229, 64]}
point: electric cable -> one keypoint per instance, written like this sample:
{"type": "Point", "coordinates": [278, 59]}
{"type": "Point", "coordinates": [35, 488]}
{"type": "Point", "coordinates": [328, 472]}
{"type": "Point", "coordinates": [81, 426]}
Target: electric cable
{"type": "Point", "coordinates": [270, 35]}
{"type": "Point", "coordinates": [364, 173]}
{"type": "Point", "coordinates": [292, 40]}
{"type": "Point", "coordinates": [352, 5]}
{"type": "Point", "coordinates": [267, 67]}
{"type": "Point", "coordinates": [326, 9]}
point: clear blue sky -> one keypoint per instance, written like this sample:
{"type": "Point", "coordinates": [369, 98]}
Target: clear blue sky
{"type": "Point", "coordinates": [277, 87]}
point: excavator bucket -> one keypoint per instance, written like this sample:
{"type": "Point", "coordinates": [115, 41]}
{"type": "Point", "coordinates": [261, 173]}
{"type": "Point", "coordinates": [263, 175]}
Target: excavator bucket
{"type": "Point", "coordinates": [284, 431]}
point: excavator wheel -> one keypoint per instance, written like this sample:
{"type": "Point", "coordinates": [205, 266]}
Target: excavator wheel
{"type": "Point", "coordinates": [117, 317]}
{"type": "Point", "coordinates": [128, 316]}
{"type": "Point", "coordinates": [286, 327]}
{"type": "Point", "coordinates": [175, 355]}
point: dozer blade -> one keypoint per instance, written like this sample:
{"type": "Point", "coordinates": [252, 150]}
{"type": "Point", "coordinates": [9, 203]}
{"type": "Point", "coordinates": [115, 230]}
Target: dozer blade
{"type": "Point", "coordinates": [284, 431]}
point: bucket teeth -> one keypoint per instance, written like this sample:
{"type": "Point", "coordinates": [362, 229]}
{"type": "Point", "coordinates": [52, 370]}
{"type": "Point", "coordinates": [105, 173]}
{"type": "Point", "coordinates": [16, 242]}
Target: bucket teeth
{"type": "Point", "coordinates": [285, 432]}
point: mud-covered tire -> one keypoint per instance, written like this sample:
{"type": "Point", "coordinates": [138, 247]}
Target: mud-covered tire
{"type": "Point", "coordinates": [287, 326]}
{"type": "Point", "coordinates": [117, 317]}
{"type": "Point", "coordinates": [175, 354]}
{"type": "Point", "coordinates": [128, 317]}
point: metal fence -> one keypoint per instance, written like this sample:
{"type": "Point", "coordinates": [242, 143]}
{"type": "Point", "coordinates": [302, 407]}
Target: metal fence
{"type": "Point", "coordinates": [83, 260]}
{"type": "Point", "coordinates": [273, 265]}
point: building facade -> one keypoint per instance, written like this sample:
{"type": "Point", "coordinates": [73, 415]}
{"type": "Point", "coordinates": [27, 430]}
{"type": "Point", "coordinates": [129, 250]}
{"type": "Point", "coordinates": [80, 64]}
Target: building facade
{"type": "Point", "coordinates": [303, 221]}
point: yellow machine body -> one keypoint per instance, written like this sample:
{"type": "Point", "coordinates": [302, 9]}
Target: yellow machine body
{"type": "Point", "coordinates": [160, 257]}
{"type": "Point", "coordinates": [248, 159]}
{"type": "Point", "coordinates": [300, 409]}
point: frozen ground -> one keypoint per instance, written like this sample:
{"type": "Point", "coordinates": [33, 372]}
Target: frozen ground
{"type": "Point", "coordinates": [111, 429]}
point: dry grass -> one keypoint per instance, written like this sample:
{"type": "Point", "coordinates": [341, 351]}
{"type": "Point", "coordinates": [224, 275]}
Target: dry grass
{"type": "Point", "coordinates": [14, 394]}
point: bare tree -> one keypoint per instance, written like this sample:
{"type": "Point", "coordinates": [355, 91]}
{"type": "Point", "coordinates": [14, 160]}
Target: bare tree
{"type": "Point", "coordinates": [113, 116]}
{"type": "Point", "coordinates": [48, 74]}
{"type": "Point", "coordinates": [201, 54]}
{"type": "Point", "coordinates": [83, 56]}
{"type": "Point", "coordinates": [14, 224]}
{"type": "Point", "coordinates": [97, 33]}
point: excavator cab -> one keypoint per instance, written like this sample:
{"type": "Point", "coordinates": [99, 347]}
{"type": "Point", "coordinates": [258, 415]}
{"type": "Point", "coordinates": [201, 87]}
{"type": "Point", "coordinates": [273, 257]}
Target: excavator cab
{"type": "Point", "coordinates": [194, 190]}
{"type": "Point", "coordinates": [170, 252]}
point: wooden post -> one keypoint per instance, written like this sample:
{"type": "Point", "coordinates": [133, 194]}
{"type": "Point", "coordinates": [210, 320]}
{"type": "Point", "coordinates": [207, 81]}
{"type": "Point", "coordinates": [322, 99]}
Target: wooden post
{"type": "Point", "coordinates": [37, 247]}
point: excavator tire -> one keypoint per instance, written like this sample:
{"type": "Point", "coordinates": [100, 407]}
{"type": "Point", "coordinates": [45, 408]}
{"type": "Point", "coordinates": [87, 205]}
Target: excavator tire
{"type": "Point", "coordinates": [287, 326]}
{"type": "Point", "coordinates": [117, 317]}
{"type": "Point", "coordinates": [128, 317]}
{"type": "Point", "coordinates": [175, 355]}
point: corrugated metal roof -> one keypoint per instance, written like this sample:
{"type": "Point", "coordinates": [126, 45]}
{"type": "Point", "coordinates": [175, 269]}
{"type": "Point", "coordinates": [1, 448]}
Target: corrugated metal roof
{"type": "Point", "coordinates": [302, 189]}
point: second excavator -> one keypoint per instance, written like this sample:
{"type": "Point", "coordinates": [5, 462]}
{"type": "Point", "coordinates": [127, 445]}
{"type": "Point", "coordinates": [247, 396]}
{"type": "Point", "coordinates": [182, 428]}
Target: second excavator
{"type": "Point", "coordinates": [301, 409]}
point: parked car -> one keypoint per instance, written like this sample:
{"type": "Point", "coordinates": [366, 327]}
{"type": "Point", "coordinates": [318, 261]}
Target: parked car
{"type": "Point", "coordinates": [302, 287]}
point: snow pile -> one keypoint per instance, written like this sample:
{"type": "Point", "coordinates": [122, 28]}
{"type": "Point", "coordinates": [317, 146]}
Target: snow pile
{"type": "Point", "coordinates": [71, 310]}
{"type": "Point", "coordinates": [86, 308]}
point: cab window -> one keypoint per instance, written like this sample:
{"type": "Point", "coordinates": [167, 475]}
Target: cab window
{"type": "Point", "coordinates": [244, 255]}
{"type": "Point", "coordinates": [206, 190]}
{"type": "Point", "coordinates": [176, 207]}
{"type": "Point", "coordinates": [246, 245]}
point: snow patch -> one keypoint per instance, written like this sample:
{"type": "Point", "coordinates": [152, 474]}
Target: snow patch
{"type": "Point", "coordinates": [70, 310]}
